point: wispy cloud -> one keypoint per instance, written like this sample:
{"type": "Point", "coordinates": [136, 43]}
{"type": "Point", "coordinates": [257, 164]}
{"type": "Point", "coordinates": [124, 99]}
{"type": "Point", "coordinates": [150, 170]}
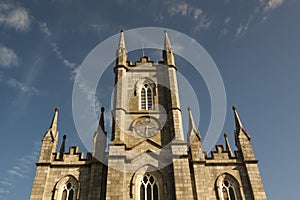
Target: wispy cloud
{"type": "Point", "coordinates": [5, 182]}
{"type": "Point", "coordinates": [227, 20]}
{"type": "Point", "coordinates": [184, 8]}
{"type": "Point", "coordinates": [203, 23]}
{"type": "Point", "coordinates": [4, 191]}
{"type": "Point", "coordinates": [14, 16]}
{"type": "Point", "coordinates": [242, 28]}
{"type": "Point", "coordinates": [180, 8]}
{"type": "Point", "coordinates": [99, 28]}
{"type": "Point", "coordinates": [25, 89]}
{"type": "Point", "coordinates": [259, 14]}
{"type": "Point", "coordinates": [22, 169]}
{"type": "Point", "coordinates": [54, 46]}
{"type": "Point", "coordinates": [272, 4]}
{"type": "Point", "coordinates": [16, 173]}
{"type": "Point", "coordinates": [225, 30]}
{"type": "Point", "coordinates": [8, 57]}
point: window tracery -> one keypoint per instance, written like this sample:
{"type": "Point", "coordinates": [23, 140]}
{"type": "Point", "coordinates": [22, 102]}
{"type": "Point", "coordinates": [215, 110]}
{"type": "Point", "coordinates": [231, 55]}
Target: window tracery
{"type": "Point", "coordinates": [228, 188]}
{"type": "Point", "coordinates": [68, 192]}
{"type": "Point", "coordinates": [146, 97]}
{"type": "Point", "coordinates": [67, 188]}
{"type": "Point", "coordinates": [149, 188]}
{"type": "Point", "coordinates": [228, 192]}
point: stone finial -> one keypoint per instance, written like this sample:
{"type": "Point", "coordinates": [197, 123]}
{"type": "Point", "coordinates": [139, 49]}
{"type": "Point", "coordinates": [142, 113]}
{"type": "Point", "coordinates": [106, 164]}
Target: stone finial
{"type": "Point", "coordinates": [121, 47]}
{"type": "Point", "coordinates": [192, 126]}
{"type": "Point", "coordinates": [53, 125]}
{"type": "Point", "coordinates": [167, 43]}
{"type": "Point", "coordinates": [238, 123]}
{"type": "Point", "coordinates": [168, 54]}
{"type": "Point", "coordinates": [101, 121]}
{"type": "Point", "coordinates": [227, 144]}
{"type": "Point", "coordinates": [62, 147]}
{"type": "Point", "coordinates": [121, 52]}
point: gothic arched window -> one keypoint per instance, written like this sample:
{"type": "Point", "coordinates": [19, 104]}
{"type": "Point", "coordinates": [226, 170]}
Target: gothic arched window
{"type": "Point", "coordinates": [228, 188]}
{"type": "Point", "coordinates": [149, 188]}
{"type": "Point", "coordinates": [228, 192]}
{"type": "Point", "coordinates": [68, 192]}
{"type": "Point", "coordinates": [146, 97]}
{"type": "Point", "coordinates": [67, 188]}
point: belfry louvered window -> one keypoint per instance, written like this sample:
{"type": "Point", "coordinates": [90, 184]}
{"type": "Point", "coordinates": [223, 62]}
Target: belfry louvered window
{"type": "Point", "coordinates": [146, 98]}
{"type": "Point", "coordinates": [149, 188]}
{"type": "Point", "coordinates": [68, 192]}
{"type": "Point", "coordinates": [228, 192]}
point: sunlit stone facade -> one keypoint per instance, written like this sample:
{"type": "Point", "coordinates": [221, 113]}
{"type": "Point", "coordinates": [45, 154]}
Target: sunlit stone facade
{"type": "Point", "coordinates": [147, 156]}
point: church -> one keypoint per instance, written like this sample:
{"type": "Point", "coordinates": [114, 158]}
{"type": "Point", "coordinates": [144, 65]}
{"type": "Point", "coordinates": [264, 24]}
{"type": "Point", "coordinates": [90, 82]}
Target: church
{"type": "Point", "coordinates": [148, 157]}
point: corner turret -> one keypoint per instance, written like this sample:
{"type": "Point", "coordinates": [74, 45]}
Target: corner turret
{"type": "Point", "coordinates": [62, 147]}
{"type": "Point", "coordinates": [227, 145]}
{"type": "Point", "coordinates": [168, 55]}
{"type": "Point", "coordinates": [50, 140]}
{"type": "Point", "coordinates": [100, 137]}
{"type": "Point", "coordinates": [121, 53]}
{"type": "Point", "coordinates": [242, 138]}
{"type": "Point", "coordinates": [194, 139]}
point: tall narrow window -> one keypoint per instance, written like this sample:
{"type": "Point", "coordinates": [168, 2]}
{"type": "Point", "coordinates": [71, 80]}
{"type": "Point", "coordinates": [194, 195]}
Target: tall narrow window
{"type": "Point", "coordinates": [228, 191]}
{"type": "Point", "coordinates": [68, 192]}
{"type": "Point", "coordinates": [149, 188]}
{"type": "Point", "coordinates": [146, 101]}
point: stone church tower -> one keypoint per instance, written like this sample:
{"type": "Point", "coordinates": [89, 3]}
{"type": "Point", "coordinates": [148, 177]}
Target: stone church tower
{"type": "Point", "coordinates": [148, 157]}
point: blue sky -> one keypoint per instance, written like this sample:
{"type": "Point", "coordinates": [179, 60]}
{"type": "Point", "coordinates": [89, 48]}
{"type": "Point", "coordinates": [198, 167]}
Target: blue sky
{"type": "Point", "coordinates": [254, 43]}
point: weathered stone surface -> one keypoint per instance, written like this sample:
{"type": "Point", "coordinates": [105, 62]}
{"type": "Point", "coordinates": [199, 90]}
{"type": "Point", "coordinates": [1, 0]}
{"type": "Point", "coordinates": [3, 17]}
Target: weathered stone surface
{"type": "Point", "coordinates": [184, 173]}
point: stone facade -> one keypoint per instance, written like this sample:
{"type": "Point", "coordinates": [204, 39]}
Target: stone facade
{"type": "Point", "coordinates": [147, 157]}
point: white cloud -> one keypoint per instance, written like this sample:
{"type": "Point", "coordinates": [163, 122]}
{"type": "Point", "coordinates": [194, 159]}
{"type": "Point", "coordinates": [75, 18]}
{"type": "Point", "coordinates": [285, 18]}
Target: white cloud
{"type": "Point", "coordinates": [99, 28]}
{"type": "Point", "coordinates": [183, 8]}
{"type": "Point", "coordinates": [197, 13]}
{"type": "Point", "coordinates": [159, 18]}
{"type": "Point", "coordinates": [272, 4]}
{"type": "Point", "coordinates": [202, 23]}
{"type": "Point", "coordinates": [241, 29]}
{"type": "Point", "coordinates": [14, 17]}
{"type": "Point", "coordinates": [227, 20]}
{"type": "Point", "coordinates": [4, 191]}
{"type": "Point", "coordinates": [44, 29]}
{"type": "Point", "coordinates": [224, 31]}
{"type": "Point", "coordinates": [16, 173]}
{"type": "Point", "coordinates": [5, 182]}
{"type": "Point", "coordinates": [22, 87]}
{"type": "Point", "coordinates": [8, 57]}
{"type": "Point", "coordinates": [22, 169]}
{"type": "Point", "coordinates": [180, 8]}
{"type": "Point", "coordinates": [54, 46]}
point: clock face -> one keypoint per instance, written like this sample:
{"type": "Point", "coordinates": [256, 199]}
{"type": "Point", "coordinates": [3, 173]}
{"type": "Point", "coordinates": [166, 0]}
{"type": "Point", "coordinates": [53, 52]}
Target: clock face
{"type": "Point", "coordinates": [146, 127]}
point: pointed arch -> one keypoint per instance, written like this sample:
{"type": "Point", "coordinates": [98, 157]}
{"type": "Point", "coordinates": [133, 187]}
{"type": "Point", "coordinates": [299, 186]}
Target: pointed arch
{"type": "Point", "coordinates": [67, 188]}
{"type": "Point", "coordinates": [228, 188]}
{"type": "Point", "coordinates": [145, 90]}
{"type": "Point", "coordinates": [147, 183]}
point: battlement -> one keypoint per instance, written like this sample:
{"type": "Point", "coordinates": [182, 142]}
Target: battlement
{"type": "Point", "coordinates": [221, 155]}
{"type": "Point", "coordinates": [72, 157]}
{"type": "Point", "coordinates": [144, 60]}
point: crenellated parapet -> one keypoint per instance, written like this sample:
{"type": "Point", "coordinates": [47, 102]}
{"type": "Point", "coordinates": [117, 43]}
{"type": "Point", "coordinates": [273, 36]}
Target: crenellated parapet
{"type": "Point", "coordinates": [221, 155]}
{"type": "Point", "coordinates": [71, 157]}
